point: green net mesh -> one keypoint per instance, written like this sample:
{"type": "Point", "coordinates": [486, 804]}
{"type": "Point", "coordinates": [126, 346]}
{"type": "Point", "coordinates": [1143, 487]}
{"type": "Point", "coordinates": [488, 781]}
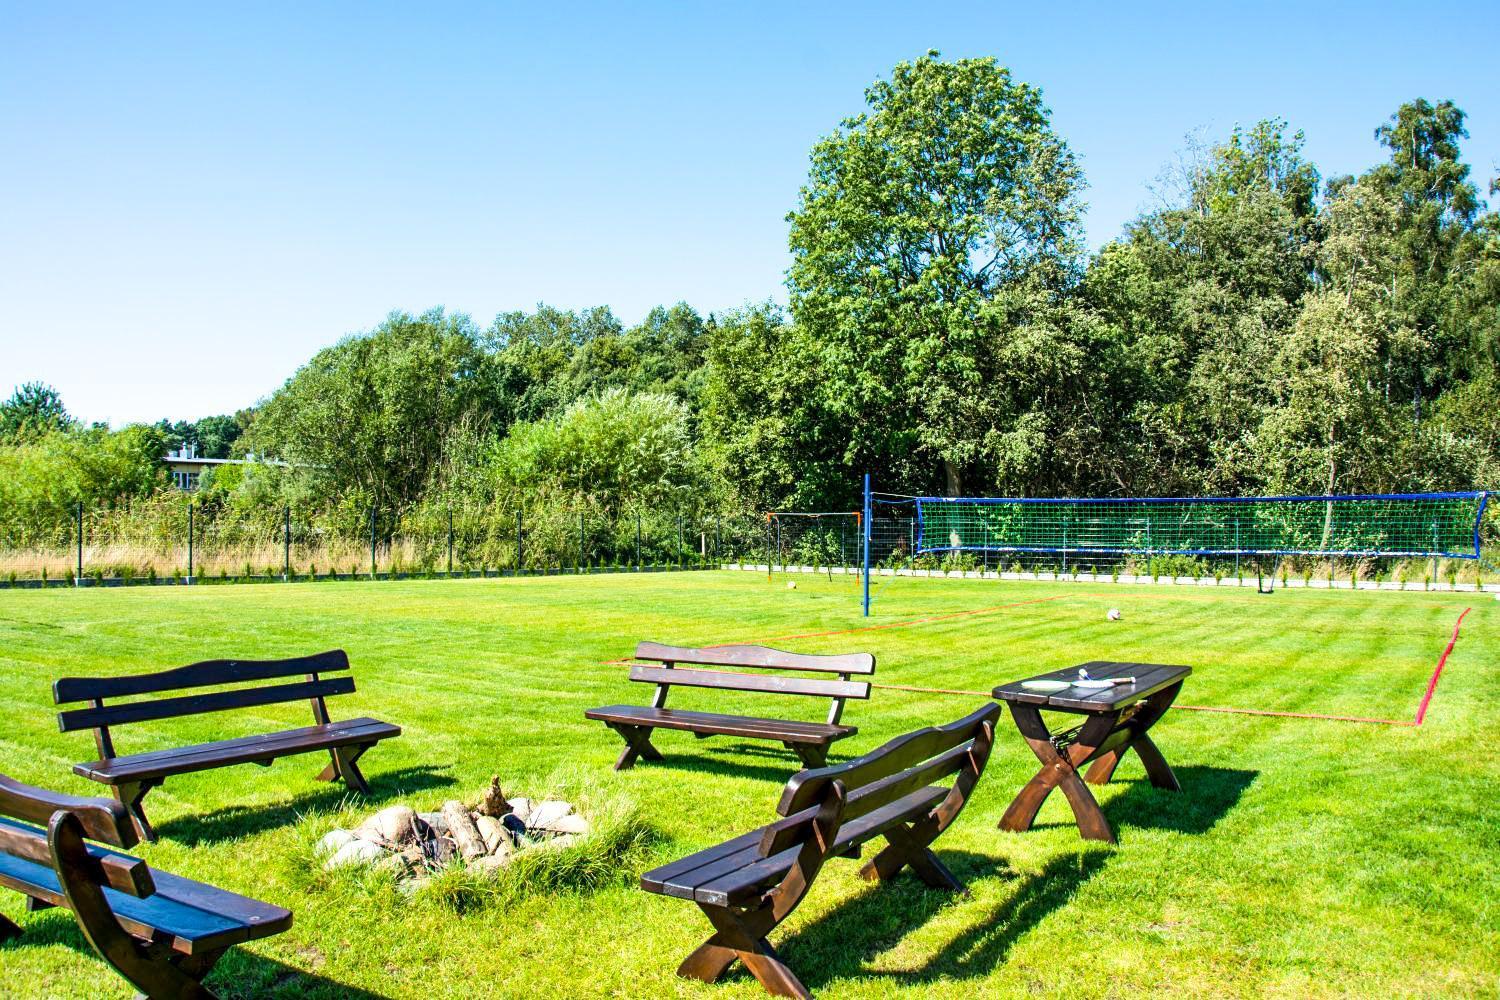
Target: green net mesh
{"type": "Point", "coordinates": [1441, 524]}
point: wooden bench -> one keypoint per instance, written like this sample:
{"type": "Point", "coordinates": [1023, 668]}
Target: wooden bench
{"type": "Point", "coordinates": [131, 777]}
{"type": "Point", "coordinates": [748, 885]}
{"type": "Point", "coordinates": [808, 740]}
{"type": "Point", "coordinates": [161, 932]}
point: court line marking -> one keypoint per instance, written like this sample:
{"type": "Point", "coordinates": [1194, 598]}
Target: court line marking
{"type": "Point", "coordinates": [1319, 716]}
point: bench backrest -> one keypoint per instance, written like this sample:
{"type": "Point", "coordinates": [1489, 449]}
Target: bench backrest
{"type": "Point", "coordinates": [841, 793]}
{"type": "Point", "coordinates": [673, 672]}
{"type": "Point", "coordinates": [67, 820]}
{"type": "Point", "coordinates": [99, 717]}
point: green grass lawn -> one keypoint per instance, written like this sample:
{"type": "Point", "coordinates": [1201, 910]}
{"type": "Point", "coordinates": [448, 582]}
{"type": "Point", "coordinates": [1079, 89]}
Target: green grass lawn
{"type": "Point", "coordinates": [1302, 857]}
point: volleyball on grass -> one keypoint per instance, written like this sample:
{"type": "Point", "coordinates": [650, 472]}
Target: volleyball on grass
{"type": "Point", "coordinates": [1113, 615]}
{"type": "Point", "coordinates": [791, 585]}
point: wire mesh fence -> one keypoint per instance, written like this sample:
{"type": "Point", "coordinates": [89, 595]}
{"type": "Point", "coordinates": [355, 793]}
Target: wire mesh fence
{"type": "Point", "coordinates": [176, 539]}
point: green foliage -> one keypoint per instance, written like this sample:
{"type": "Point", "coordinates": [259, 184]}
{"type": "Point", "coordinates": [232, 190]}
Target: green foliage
{"type": "Point", "coordinates": [930, 249]}
{"type": "Point", "coordinates": [44, 478]}
{"type": "Point", "coordinates": [33, 409]}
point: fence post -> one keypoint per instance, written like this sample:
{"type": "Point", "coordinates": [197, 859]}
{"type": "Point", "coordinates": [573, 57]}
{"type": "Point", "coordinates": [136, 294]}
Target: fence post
{"type": "Point", "coordinates": [638, 542]}
{"type": "Point", "coordinates": [519, 551]}
{"type": "Point", "coordinates": [866, 533]}
{"type": "Point", "coordinates": [78, 577]}
{"type": "Point", "coordinates": [190, 542]}
{"type": "Point", "coordinates": [450, 541]}
{"type": "Point", "coordinates": [286, 543]}
{"type": "Point", "coordinates": [372, 541]}
{"type": "Point", "coordinates": [583, 545]}
{"type": "Point", "coordinates": [679, 541]}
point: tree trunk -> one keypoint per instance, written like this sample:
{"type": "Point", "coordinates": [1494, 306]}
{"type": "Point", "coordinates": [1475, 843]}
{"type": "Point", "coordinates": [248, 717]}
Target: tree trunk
{"type": "Point", "coordinates": [953, 478]}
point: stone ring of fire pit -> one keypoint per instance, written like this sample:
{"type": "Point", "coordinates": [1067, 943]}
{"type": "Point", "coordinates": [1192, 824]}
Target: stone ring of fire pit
{"type": "Point", "coordinates": [485, 838]}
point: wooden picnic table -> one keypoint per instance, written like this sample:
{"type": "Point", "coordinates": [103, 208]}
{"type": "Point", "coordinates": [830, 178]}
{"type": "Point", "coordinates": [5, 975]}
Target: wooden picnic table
{"type": "Point", "coordinates": [1116, 720]}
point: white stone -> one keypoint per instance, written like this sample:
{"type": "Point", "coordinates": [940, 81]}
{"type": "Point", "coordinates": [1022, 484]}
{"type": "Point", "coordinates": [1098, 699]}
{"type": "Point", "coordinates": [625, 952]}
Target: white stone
{"type": "Point", "coordinates": [571, 823]}
{"type": "Point", "coordinates": [394, 826]}
{"type": "Point", "coordinates": [544, 814]}
{"type": "Point", "coordinates": [356, 852]}
{"type": "Point", "coordinates": [521, 807]}
{"type": "Point", "coordinates": [332, 841]}
{"type": "Point", "coordinates": [491, 862]}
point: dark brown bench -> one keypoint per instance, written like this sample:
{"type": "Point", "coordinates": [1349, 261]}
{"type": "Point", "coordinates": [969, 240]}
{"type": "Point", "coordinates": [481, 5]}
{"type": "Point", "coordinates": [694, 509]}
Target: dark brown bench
{"type": "Point", "coordinates": [161, 932]}
{"type": "Point", "coordinates": [748, 885]}
{"type": "Point", "coordinates": [131, 777]}
{"type": "Point", "coordinates": [809, 740]}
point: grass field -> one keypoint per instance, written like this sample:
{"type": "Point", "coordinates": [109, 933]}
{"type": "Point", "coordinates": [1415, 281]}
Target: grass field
{"type": "Point", "coordinates": [1302, 858]}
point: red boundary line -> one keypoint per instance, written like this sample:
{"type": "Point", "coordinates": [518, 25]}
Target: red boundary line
{"type": "Point", "coordinates": [1442, 661]}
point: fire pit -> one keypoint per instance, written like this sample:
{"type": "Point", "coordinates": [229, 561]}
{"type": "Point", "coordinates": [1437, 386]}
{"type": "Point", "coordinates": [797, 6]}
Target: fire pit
{"type": "Point", "coordinates": [485, 837]}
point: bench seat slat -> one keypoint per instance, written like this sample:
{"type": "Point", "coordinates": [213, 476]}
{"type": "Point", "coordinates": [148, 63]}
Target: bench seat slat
{"type": "Point", "coordinates": [205, 756]}
{"type": "Point", "coordinates": [747, 881]}
{"type": "Point", "coordinates": [199, 704]}
{"type": "Point", "coordinates": [813, 686]}
{"type": "Point", "coordinates": [192, 916]}
{"type": "Point", "coordinates": [723, 725]}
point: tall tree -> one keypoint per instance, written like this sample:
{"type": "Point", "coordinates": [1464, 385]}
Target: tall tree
{"type": "Point", "coordinates": [934, 235]}
{"type": "Point", "coordinates": [34, 408]}
{"type": "Point", "coordinates": [1438, 205]}
{"type": "Point", "coordinates": [368, 417]}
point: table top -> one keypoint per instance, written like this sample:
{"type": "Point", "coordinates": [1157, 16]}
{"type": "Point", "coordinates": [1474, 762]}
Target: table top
{"type": "Point", "coordinates": [1149, 679]}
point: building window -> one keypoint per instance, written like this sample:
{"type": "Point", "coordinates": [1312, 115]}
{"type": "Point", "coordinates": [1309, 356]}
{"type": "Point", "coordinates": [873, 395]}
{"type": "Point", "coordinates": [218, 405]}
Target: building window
{"type": "Point", "coordinates": [185, 480]}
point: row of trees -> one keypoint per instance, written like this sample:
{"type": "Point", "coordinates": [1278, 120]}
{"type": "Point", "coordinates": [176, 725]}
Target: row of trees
{"type": "Point", "coordinates": [1263, 330]}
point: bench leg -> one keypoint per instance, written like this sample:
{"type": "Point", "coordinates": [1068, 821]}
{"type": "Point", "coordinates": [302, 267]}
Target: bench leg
{"type": "Point", "coordinates": [342, 765]}
{"type": "Point", "coordinates": [907, 846]}
{"type": "Point", "coordinates": [153, 969]}
{"type": "Point", "coordinates": [811, 754]}
{"type": "Point", "coordinates": [637, 744]}
{"type": "Point", "coordinates": [9, 928]}
{"type": "Point", "coordinates": [130, 795]}
{"type": "Point", "coordinates": [742, 936]}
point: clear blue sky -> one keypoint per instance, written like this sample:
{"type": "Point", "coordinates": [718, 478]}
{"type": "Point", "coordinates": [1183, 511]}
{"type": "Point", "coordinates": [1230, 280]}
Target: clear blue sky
{"type": "Point", "coordinates": [194, 200]}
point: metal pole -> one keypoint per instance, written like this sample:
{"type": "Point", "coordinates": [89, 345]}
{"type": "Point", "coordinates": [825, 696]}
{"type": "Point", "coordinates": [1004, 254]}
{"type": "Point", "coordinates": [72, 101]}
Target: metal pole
{"type": "Point", "coordinates": [190, 541]}
{"type": "Point", "coordinates": [78, 577]}
{"type": "Point", "coordinates": [286, 543]}
{"type": "Point", "coordinates": [866, 530]}
{"type": "Point", "coordinates": [843, 550]}
{"type": "Point", "coordinates": [520, 550]}
{"type": "Point", "coordinates": [450, 541]}
{"type": "Point", "coordinates": [582, 543]}
{"type": "Point", "coordinates": [372, 541]}
{"type": "Point", "coordinates": [637, 542]}
{"type": "Point", "coordinates": [679, 541]}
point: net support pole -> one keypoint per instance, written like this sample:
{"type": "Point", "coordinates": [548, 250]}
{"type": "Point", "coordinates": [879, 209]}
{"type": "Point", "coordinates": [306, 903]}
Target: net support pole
{"type": "Point", "coordinates": [372, 542]}
{"type": "Point", "coordinates": [78, 537]}
{"type": "Point", "coordinates": [286, 543]}
{"type": "Point", "coordinates": [865, 532]}
{"type": "Point", "coordinates": [450, 541]}
{"type": "Point", "coordinates": [190, 542]}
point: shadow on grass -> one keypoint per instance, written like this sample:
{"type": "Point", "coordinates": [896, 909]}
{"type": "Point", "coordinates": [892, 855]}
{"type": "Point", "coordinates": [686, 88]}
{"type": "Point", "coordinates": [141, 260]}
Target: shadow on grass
{"type": "Point", "coordinates": [240, 973]}
{"type": "Point", "coordinates": [1208, 793]}
{"type": "Point", "coordinates": [243, 821]}
{"type": "Point", "coordinates": [843, 943]}
{"type": "Point", "coordinates": [732, 760]}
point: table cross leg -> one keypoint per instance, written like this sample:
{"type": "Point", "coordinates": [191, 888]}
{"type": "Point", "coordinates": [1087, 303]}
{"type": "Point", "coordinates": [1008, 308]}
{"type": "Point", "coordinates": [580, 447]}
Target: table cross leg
{"type": "Point", "coordinates": [1060, 770]}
